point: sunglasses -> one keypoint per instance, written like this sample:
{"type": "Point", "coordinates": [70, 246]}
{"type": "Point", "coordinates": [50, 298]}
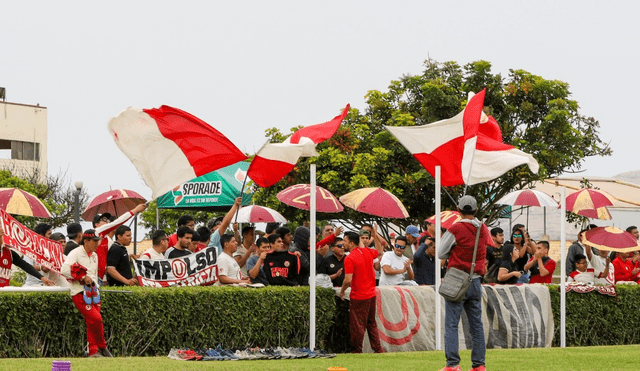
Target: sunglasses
{"type": "Point", "coordinates": [517, 235]}
{"type": "Point", "coordinates": [400, 247]}
{"type": "Point", "coordinates": [340, 246]}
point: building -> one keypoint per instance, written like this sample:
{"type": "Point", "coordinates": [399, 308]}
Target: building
{"type": "Point", "coordinates": [23, 138]}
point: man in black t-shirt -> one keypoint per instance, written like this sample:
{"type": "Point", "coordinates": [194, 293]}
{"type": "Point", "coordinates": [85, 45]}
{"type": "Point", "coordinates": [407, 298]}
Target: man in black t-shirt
{"type": "Point", "coordinates": [118, 266]}
{"type": "Point", "coordinates": [74, 232]}
{"type": "Point", "coordinates": [281, 266]}
{"type": "Point", "coordinates": [333, 265]}
{"type": "Point", "coordinates": [184, 236]}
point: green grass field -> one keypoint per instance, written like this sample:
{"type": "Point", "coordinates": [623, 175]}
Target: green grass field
{"type": "Point", "coordinates": [578, 359]}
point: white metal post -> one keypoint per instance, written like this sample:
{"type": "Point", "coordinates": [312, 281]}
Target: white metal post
{"type": "Point", "coordinates": [437, 298]}
{"type": "Point", "coordinates": [312, 260]}
{"type": "Point", "coordinates": [563, 268]}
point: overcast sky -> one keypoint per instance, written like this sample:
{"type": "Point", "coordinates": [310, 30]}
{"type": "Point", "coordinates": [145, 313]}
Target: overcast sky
{"type": "Point", "coordinates": [244, 66]}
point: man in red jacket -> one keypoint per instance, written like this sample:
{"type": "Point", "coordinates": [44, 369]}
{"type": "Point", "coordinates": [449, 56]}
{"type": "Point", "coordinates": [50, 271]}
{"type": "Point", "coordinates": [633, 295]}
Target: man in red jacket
{"type": "Point", "coordinates": [458, 245]}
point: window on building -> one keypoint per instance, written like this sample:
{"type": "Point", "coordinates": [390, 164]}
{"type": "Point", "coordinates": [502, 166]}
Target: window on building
{"type": "Point", "coordinates": [19, 150]}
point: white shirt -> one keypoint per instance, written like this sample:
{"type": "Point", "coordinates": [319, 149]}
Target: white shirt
{"type": "Point", "coordinates": [599, 264]}
{"type": "Point", "coordinates": [79, 255]}
{"type": "Point", "coordinates": [394, 262]}
{"type": "Point", "coordinates": [240, 252]}
{"type": "Point", "coordinates": [151, 254]}
{"type": "Point", "coordinates": [227, 266]}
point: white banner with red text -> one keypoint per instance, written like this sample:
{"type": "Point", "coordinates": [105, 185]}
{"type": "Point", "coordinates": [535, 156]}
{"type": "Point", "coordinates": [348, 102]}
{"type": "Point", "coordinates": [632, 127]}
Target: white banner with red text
{"type": "Point", "coordinates": [513, 316]}
{"type": "Point", "coordinates": [41, 250]}
{"type": "Point", "coordinates": [199, 269]}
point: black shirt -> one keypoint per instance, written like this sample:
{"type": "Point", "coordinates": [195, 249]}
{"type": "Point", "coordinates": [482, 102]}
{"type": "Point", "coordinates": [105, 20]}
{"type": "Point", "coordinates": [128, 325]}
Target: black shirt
{"type": "Point", "coordinates": [282, 268]}
{"type": "Point", "coordinates": [70, 246]}
{"type": "Point", "coordinates": [118, 257]}
{"type": "Point", "coordinates": [510, 266]}
{"type": "Point", "coordinates": [424, 267]}
{"type": "Point", "coordinates": [494, 255]}
{"type": "Point", "coordinates": [175, 253]}
{"type": "Point", "coordinates": [331, 265]}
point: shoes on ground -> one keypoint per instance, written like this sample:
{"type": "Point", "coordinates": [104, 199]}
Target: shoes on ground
{"type": "Point", "coordinates": [479, 368]}
{"type": "Point", "coordinates": [455, 368]}
{"type": "Point", "coordinates": [105, 352]}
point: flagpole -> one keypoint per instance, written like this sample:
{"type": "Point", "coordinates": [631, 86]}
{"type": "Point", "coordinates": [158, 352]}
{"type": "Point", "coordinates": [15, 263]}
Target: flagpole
{"type": "Point", "coordinates": [436, 296]}
{"type": "Point", "coordinates": [563, 269]}
{"type": "Point", "coordinates": [246, 175]}
{"type": "Point", "coordinates": [312, 259]}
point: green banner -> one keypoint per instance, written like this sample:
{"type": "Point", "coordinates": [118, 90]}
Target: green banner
{"type": "Point", "coordinates": [214, 191]}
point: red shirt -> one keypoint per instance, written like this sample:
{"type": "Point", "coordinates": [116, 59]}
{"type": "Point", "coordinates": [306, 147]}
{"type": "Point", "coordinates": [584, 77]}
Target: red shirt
{"type": "Point", "coordinates": [173, 240]}
{"type": "Point", "coordinates": [102, 251]}
{"type": "Point", "coordinates": [622, 270]}
{"type": "Point", "coordinates": [359, 262]}
{"type": "Point", "coordinates": [550, 265]}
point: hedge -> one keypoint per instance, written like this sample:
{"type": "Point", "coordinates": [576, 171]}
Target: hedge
{"type": "Point", "coordinates": [595, 319]}
{"type": "Point", "coordinates": [152, 321]}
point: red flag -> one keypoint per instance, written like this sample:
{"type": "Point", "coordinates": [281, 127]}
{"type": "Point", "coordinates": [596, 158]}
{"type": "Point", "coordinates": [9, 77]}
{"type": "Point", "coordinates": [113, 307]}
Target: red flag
{"type": "Point", "coordinates": [169, 146]}
{"type": "Point", "coordinates": [467, 152]}
{"type": "Point", "coordinates": [275, 160]}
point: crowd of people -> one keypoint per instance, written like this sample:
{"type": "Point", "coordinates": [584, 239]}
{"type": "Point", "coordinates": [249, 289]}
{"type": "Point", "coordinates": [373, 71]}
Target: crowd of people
{"type": "Point", "coordinates": [360, 259]}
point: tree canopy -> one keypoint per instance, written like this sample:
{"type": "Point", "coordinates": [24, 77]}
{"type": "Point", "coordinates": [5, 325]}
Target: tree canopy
{"type": "Point", "coordinates": [536, 115]}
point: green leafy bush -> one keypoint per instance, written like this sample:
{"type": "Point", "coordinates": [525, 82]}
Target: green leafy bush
{"type": "Point", "coordinates": [152, 321]}
{"type": "Point", "coordinates": [596, 319]}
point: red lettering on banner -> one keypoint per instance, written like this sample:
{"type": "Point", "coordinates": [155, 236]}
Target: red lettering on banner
{"type": "Point", "coordinates": [43, 251]}
{"type": "Point", "coordinates": [396, 327]}
{"type": "Point", "coordinates": [179, 268]}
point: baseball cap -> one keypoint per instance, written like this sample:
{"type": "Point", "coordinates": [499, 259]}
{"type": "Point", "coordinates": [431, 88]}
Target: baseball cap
{"type": "Point", "coordinates": [73, 229]}
{"type": "Point", "coordinates": [364, 232]}
{"type": "Point", "coordinates": [90, 234]}
{"type": "Point", "coordinates": [413, 230]}
{"type": "Point", "coordinates": [467, 203]}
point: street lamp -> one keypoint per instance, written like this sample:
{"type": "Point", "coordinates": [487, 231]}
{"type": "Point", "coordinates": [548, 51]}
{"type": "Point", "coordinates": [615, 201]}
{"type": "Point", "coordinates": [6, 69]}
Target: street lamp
{"type": "Point", "coordinates": [78, 185]}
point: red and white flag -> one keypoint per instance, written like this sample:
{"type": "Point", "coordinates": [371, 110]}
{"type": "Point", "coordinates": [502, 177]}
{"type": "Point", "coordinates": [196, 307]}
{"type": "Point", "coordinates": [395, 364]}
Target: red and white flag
{"type": "Point", "coordinates": [468, 147]}
{"type": "Point", "coordinates": [169, 146]}
{"type": "Point", "coordinates": [275, 160]}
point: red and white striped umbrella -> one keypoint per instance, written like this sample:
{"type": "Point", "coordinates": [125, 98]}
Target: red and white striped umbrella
{"type": "Point", "coordinates": [591, 203]}
{"type": "Point", "coordinates": [115, 202]}
{"type": "Point", "coordinates": [299, 195]}
{"type": "Point", "coordinates": [259, 214]}
{"type": "Point", "coordinates": [611, 239]}
{"type": "Point", "coordinates": [18, 202]}
{"type": "Point", "coordinates": [528, 197]}
{"type": "Point", "coordinates": [375, 201]}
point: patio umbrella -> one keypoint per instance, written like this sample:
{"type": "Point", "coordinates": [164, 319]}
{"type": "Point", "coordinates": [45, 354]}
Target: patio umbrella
{"type": "Point", "coordinates": [375, 201]}
{"type": "Point", "coordinates": [591, 203]}
{"type": "Point", "coordinates": [115, 202]}
{"type": "Point", "coordinates": [611, 239]}
{"type": "Point", "coordinates": [299, 196]}
{"type": "Point", "coordinates": [259, 214]}
{"type": "Point", "coordinates": [528, 197]}
{"type": "Point", "coordinates": [18, 202]}
{"type": "Point", "coordinates": [447, 218]}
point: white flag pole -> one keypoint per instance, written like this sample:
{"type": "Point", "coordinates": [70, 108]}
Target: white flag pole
{"type": "Point", "coordinates": [563, 269]}
{"type": "Point", "coordinates": [437, 298]}
{"type": "Point", "coordinates": [312, 260]}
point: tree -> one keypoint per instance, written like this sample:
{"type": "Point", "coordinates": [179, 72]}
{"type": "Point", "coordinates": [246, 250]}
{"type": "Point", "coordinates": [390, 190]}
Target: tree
{"type": "Point", "coordinates": [169, 218]}
{"type": "Point", "coordinates": [536, 115]}
{"type": "Point", "coordinates": [56, 193]}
